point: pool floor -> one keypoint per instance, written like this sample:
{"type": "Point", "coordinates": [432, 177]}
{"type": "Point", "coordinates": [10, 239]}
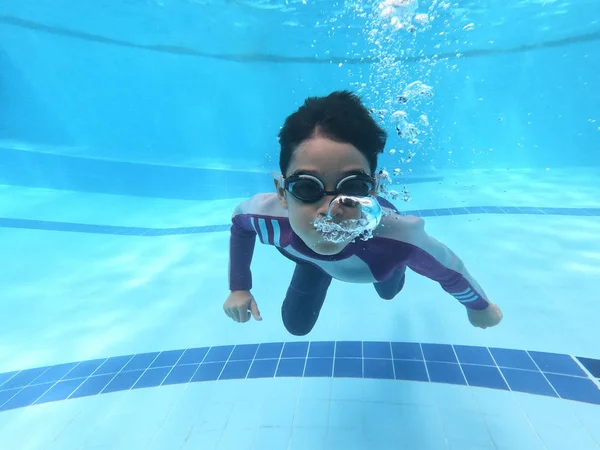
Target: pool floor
{"type": "Point", "coordinates": [72, 296]}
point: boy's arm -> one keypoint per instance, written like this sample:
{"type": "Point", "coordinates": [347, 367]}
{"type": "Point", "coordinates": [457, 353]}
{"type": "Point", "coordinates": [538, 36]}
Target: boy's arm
{"type": "Point", "coordinates": [241, 249]}
{"type": "Point", "coordinates": [434, 260]}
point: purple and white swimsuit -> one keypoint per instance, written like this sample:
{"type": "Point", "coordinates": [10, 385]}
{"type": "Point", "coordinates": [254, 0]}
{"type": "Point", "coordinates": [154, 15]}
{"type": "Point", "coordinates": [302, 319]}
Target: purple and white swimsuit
{"type": "Point", "coordinates": [398, 242]}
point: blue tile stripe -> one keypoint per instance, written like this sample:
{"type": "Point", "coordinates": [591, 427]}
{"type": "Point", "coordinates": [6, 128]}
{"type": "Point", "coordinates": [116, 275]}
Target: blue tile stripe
{"type": "Point", "coordinates": [6, 222]}
{"type": "Point", "coordinates": [549, 374]}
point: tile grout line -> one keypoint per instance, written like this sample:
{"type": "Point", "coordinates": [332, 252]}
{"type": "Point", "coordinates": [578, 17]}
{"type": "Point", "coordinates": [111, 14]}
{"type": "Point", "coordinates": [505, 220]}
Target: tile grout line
{"type": "Point", "coordinates": [30, 384]}
{"type": "Point", "coordinates": [585, 370]}
{"type": "Point", "coordinates": [425, 363]}
{"type": "Point", "coordinates": [278, 359]}
{"type": "Point", "coordinates": [203, 229]}
{"type": "Point", "coordinates": [111, 380]}
{"type": "Point", "coordinates": [460, 365]}
{"type": "Point", "coordinates": [306, 359]}
{"type": "Point", "coordinates": [543, 374]}
{"type": "Point", "coordinates": [487, 427]}
{"type": "Point", "coordinates": [159, 385]}
{"type": "Point", "coordinates": [253, 359]}
{"type": "Point", "coordinates": [302, 377]}
{"type": "Point", "coordinates": [576, 416]}
{"type": "Point", "coordinates": [170, 370]}
{"type": "Point", "coordinates": [499, 370]}
{"type": "Point", "coordinates": [115, 375]}
{"type": "Point", "coordinates": [224, 365]}
{"type": "Point", "coordinates": [513, 394]}
{"type": "Point", "coordinates": [362, 358]}
{"type": "Point", "coordinates": [393, 365]}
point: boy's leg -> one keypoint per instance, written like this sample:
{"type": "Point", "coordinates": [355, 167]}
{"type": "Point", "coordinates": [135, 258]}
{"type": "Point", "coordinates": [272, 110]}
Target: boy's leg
{"type": "Point", "coordinates": [388, 289]}
{"type": "Point", "coordinates": [304, 298]}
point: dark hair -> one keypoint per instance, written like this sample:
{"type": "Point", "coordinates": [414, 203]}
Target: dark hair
{"type": "Point", "coordinates": [341, 117]}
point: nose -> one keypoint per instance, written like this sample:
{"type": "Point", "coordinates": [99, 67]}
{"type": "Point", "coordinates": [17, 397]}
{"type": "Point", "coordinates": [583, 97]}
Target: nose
{"type": "Point", "coordinates": [340, 208]}
{"type": "Point", "coordinates": [323, 209]}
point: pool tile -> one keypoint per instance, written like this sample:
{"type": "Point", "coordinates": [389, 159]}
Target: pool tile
{"type": "Point", "coordinates": [60, 391]}
{"type": "Point", "coordinates": [493, 210]}
{"type": "Point", "coordinates": [321, 349]}
{"type": "Point", "coordinates": [290, 367]}
{"type": "Point", "coordinates": [113, 365]}
{"type": "Point", "coordinates": [92, 386]}
{"type": "Point", "coordinates": [319, 367]}
{"type": "Point", "coordinates": [4, 377]}
{"type": "Point", "coordinates": [167, 359]}
{"type": "Point", "coordinates": [140, 361]}
{"type": "Point", "coordinates": [348, 368]}
{"type": "Point", "coordinates": [517, 369]}
{"type": "Point", "coordinates": [575, 388]}
{"type": "Point", "coordinates": [475, 210]}
{"type": "Point", "coordinates": [263, 368]}
{"type": "Point", "coordinates": [208, 371]}
{"type": "Point", "coordinates": [23, 378]}
{"type": "Point", "coordinates": [235, 370]}
{"type": "Point", "coordinates": [442, 212]}
{"type": "Point", "coordinates": [269, 350]}
{"type": "Point", "coordinates": [123, 381]}
{"type": "Point", "coordinates": [55, 373]}
{"type": "Point", "coordinates": [152, 378]}
{"type": "Point", "coordinates": [407, 350]}
{"type": "Point", "coordinates": [26, 396]}
{"type": "Point", "coordinates": [218, 354]}
{"type": "Point", "coordinates": [484, 376]}
{"type": "Point", "coordinates": [295, 350]}
{"type": "Point", "coordinates": [458, 211]}
{"type": "Point", "coordinates": [555, 363]}
{"type": "Point", "coordinates": [378, 368]}
{"type": "Point", "coordinates": [511, 210]}
{"type": "Point", "coordinates": [439, 353]}
{"type": "Point", "coordinates": [8, 394]}
{"type": "Point", "coordinates": [348, 349]}
{"type": "Point", "coordinates": [514, 359]}
{"type": "Point", "coordinates": [527, 381]}
{"type": "Point", "coordinates": [410, 370]}
{"type": "Point", "coordinates": [193, 356]}
{"type": "Point", "coordinates": [444, 372]}
{"type": "Point", "coordinates": [244, 352]}
{"type": "Point", "coordinates": [592, 365]}
{"type": "Point", "coordinates": [181, 374]}
{"type": "Point", "coordinates": [426, 213]}
{"type": "Point", "coordinates": [377, 350]}
{"type": "Point", "coordinates": [474, 355]}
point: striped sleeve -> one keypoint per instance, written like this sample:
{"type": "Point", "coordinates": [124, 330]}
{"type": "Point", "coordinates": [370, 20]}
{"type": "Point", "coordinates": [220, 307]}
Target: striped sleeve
{"type": "Point", "coordinates": [245, 226]}
{"type": "Point", "coordinates": [437, 262]}
{"type": "Point", "coordinates": [241, 248]}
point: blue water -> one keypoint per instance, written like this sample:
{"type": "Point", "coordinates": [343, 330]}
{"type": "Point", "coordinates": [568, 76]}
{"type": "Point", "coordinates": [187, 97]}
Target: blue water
{"type": "Point", "coordinates": [129, 131]}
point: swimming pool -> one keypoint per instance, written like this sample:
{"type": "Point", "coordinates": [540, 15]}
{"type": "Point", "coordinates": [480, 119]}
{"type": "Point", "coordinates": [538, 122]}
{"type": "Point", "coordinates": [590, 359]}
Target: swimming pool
{"type": "Point", "coordinates": [115, 236]}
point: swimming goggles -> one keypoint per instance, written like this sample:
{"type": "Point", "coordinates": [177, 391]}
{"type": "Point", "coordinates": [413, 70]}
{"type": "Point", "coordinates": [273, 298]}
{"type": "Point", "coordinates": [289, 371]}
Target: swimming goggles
{"type": "Point", "coordinates": [309, 189]}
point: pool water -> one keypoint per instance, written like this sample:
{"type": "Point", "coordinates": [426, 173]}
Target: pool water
{"type": "Point", "coordinates": [115, 209]}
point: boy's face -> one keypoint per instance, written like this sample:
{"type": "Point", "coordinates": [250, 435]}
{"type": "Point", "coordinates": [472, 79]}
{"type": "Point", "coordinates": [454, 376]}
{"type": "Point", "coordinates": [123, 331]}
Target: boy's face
{"type": "Point", "coordinates": [330, 162]}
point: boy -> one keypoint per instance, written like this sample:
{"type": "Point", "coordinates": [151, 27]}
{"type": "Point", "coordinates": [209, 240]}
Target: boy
{"type": "Point", "coordinates": [329, 147]}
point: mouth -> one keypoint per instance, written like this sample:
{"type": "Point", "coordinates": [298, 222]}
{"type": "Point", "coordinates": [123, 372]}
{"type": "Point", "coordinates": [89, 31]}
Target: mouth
{"type": "Point", "coordinates": [368, 218]}
{"type": "Point", "coordinates": [345, 231]}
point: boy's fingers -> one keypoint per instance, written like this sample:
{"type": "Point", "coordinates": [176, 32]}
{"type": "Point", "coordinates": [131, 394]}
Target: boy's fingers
{"type": "Point", "coordinates": [243, 314]}
{"type": "Point", "coordinates": [229, 313]}
{"type": "Point", "coordinates": [254, 310]}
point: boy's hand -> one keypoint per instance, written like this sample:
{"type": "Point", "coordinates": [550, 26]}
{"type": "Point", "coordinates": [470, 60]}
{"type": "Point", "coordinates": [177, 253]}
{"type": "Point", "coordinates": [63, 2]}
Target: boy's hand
{"type": "Point", "coordinates": [485, 318]}
{"type": "Point", "coordinates": [239, 305]}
